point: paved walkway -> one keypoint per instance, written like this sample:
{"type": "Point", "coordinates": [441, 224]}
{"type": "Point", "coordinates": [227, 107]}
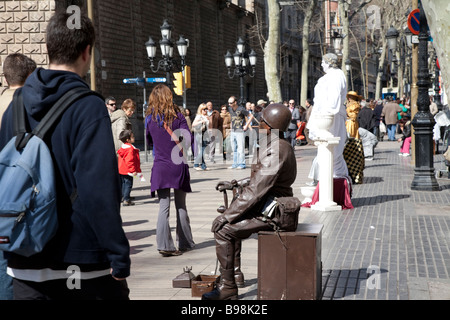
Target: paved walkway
{"type": "Point", "coordinates": [394, 245]}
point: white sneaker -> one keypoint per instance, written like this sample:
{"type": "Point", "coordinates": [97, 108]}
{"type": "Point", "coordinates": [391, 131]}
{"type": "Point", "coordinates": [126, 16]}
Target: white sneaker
{"type": "Point", "coordinates": [405, 154]}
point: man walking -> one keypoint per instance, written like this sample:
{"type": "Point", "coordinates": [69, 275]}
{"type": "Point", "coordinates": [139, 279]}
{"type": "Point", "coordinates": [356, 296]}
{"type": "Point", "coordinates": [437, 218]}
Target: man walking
{"type": "Point", "coordinates": [90, 238]}
{"type": "Point", "coordinates": [238, 128]}
{"type": "Point", "coordinates": [292, 129]}
{"type": "Point", "coordinates": [389, 114]}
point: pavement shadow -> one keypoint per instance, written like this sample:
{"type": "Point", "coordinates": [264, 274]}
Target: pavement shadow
{"type": "Point", "coordinates": [340, 283]}
{"type": "Point", "coordinates": [369, 180]}
{"type": "Point", "coordinates": [384, 165]}
{"type": "Point", "coordinates": [133, 223]}
{"type": "Point", "coordinates": [139, 248]}
{"type": "Point", "coordinates": [370, 201]}
{"type": "Point", "coordinates": [138, 235]}
{"type": "Point", "coordinates": [205, 244]}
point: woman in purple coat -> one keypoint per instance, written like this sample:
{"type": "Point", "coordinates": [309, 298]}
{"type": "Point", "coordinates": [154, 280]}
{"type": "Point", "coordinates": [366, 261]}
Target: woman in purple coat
{"type": "Point", "coordinates": [170, 169]}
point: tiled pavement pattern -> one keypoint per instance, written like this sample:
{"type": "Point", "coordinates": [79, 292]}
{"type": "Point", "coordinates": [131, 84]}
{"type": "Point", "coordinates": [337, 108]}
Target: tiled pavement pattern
{"type": "Point", "coordinates": [394, 245]}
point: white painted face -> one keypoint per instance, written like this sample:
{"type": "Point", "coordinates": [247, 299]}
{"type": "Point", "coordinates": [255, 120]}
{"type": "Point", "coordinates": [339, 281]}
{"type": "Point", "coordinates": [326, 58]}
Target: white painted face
{"type": "Point", "coordinates": [325, 66]}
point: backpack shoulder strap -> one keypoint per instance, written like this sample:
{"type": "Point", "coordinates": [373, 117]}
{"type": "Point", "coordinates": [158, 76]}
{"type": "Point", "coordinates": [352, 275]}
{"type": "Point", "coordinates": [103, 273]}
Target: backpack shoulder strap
{"type": "Point", "coordinates": [54, 114]}
{"type": "Point", "coordinates": [19, 117]}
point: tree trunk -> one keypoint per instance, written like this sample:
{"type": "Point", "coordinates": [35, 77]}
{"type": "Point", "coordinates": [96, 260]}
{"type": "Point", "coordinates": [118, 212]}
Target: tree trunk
{"type": "Point", "coordinates": [305, 52]}
{"type": "Point", "coordinates": [271, 52]}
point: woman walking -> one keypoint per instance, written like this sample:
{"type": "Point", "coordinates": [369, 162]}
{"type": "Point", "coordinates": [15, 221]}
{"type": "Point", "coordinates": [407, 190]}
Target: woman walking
{"type": "Point", "coordinates": [163, 118]}
{"type": "Point", "coordinates": [200, 128]}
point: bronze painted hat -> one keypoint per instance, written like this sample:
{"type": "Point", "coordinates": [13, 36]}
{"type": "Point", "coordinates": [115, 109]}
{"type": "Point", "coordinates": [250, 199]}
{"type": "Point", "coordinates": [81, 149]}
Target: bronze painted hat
{"type": "Point", "coordinates": [354, 95]}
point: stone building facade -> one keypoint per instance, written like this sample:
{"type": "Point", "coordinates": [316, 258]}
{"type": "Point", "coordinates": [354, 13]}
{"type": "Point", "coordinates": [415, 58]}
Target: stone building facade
{"type": "Point", "coordinates": [123, 27]}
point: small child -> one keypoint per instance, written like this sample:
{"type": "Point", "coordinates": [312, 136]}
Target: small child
{"type": "Point", "coordinates": [129, 164]}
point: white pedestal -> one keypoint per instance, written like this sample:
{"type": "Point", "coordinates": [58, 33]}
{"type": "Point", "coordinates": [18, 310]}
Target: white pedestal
{"type": "Point", "coordinates": [325, 155]}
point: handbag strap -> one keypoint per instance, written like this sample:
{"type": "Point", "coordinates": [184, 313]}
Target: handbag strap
{"type": "Point", "coordinates": [175, 138]}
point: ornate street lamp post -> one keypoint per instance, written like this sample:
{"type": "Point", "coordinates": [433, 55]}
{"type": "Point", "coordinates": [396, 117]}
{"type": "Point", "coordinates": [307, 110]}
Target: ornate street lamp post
{"type": "Point", "coordinates": [423, 122]}
{"type": "Point", "coordinates": [244, 64]}
{"type": "Point", "coordinates": [167, 62]}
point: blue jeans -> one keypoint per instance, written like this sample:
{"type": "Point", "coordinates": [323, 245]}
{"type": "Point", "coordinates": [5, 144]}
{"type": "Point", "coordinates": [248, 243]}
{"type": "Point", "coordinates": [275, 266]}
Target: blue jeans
{"type": "Point", "coordinates": [237, 139]}
{"type": "Point", "coordinates": [127, 185]}
{"type": "Point", "coordinates": [6, 290]}
{"type": "Point", "coordinates": [391, 128]}
{"type": "Point", "coordinates": [199, 151]}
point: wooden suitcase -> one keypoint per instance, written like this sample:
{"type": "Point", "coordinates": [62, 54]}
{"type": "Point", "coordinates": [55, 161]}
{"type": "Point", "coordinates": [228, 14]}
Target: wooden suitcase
{"type": "Point", "coordinates": [289, 264]}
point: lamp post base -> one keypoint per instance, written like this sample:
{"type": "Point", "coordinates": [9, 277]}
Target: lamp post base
{"type": "Point", "coordinates": [425, 180]}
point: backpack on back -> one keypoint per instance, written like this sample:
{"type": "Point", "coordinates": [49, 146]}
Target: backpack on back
{"type": "Point", "coordinates": [28, 216]}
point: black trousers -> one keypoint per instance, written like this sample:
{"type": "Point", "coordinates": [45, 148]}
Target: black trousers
{"type": "Point", "coordinates": [102, 288]}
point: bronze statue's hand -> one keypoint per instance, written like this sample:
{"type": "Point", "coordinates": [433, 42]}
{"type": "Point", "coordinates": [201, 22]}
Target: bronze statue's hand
{"type": "Point", "coordinates": [218, 223]}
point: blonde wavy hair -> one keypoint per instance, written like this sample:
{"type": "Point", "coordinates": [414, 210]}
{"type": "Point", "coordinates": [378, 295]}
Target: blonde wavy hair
{"type": "Point", "coordinates": [160, 103]}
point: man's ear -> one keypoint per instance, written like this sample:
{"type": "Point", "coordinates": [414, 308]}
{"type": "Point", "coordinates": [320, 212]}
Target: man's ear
{"type": "Point", "coordinates": [86, 54]}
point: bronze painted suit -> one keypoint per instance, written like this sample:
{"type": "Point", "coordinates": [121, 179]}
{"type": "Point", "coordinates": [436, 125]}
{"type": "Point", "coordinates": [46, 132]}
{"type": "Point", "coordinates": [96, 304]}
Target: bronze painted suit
{"type": "Point", "coordinates": [273, 174]}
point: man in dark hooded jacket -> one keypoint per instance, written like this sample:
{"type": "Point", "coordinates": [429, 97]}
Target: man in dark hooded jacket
{"type": "Point", "coordinates": [90, 242]}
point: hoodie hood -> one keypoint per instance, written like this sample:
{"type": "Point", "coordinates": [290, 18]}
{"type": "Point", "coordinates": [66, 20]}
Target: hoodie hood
{"type": "Point", "coordinates": [44, 87]}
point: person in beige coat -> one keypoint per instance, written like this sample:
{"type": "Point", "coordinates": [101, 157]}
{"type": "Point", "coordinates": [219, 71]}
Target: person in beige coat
{"type": "Point", "coordinates": [120, 121]}
{"type": "Point", "coordinates": [390, 118]}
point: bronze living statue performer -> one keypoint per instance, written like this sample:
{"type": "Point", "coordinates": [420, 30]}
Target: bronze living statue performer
{"type": "Point", "coordinates": [271, 176]}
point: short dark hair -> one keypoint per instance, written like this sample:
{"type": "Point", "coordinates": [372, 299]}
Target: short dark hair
{"type": "Point", "coordinates": [125, 135]}
{"type": "Point", "coordinates": [64, 44]}
{"type": "Point", "coordinates": [110, 98]}
{"type": "Point", "coordinates": [16, 68]}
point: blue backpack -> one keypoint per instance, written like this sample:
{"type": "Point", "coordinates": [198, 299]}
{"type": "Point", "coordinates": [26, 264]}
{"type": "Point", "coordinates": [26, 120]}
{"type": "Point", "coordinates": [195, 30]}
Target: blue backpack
{"type": "Point", "coordinates": [28, 217]}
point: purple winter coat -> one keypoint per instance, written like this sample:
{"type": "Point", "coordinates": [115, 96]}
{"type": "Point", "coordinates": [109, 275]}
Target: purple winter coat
{"type": "Point", "coordinates": [165, 173]}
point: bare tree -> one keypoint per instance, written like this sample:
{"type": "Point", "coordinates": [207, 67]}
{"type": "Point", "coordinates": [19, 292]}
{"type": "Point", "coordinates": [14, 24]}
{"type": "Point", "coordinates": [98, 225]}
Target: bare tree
{"type": "Point", "coordinates": [271, 48]}
{"type": "Point", "coordinates": [392, 13]}
{"type": "Point", "coordinates": [308, 12]}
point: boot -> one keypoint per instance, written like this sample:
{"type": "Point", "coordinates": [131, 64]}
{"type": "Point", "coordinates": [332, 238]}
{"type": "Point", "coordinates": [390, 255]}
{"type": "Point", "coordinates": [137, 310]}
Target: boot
{"type": "Point", "coordinates": [238, 275]}
{"type": "Point", "coordinates": [226, 289]}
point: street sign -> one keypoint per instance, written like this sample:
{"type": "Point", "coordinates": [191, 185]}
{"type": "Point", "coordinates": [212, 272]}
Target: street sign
{"type": "Point", "coordinates": [414, 21]}
{"type": "Point", "coordinates": [153, 80]}
{"type": "Point", "coordinates": [138, 81]}
{"type": "Point", "coordinates": [141, 81]}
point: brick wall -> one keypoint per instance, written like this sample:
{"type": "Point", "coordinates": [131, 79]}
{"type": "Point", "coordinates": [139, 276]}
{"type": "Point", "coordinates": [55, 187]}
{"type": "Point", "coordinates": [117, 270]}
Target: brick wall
{"type": "Point", "coordinates": [22, 28]}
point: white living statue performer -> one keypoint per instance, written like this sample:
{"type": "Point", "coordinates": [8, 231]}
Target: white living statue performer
{"type": "Point", "coordinates": [329, 98]}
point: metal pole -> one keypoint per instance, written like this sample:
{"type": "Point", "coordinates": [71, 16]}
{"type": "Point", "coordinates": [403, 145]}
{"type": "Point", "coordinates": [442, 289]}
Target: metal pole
{"type": "Point", "coordinates": [143, 114]}
{"type": "Point", "coordinates": [184, 86]}
{"type": "Point", "coordinates": [242, 99]}
{"type": "Point", "coordinates": [423, 122]}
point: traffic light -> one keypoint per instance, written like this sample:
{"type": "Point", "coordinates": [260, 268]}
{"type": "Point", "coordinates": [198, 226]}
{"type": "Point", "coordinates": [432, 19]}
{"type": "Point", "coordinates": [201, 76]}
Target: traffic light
{"type": "Point", "coordinates": [178, 83]}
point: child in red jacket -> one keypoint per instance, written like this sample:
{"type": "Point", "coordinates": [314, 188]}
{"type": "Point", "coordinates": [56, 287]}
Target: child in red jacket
{"type": "Point", "coordinates": [129, 164]}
